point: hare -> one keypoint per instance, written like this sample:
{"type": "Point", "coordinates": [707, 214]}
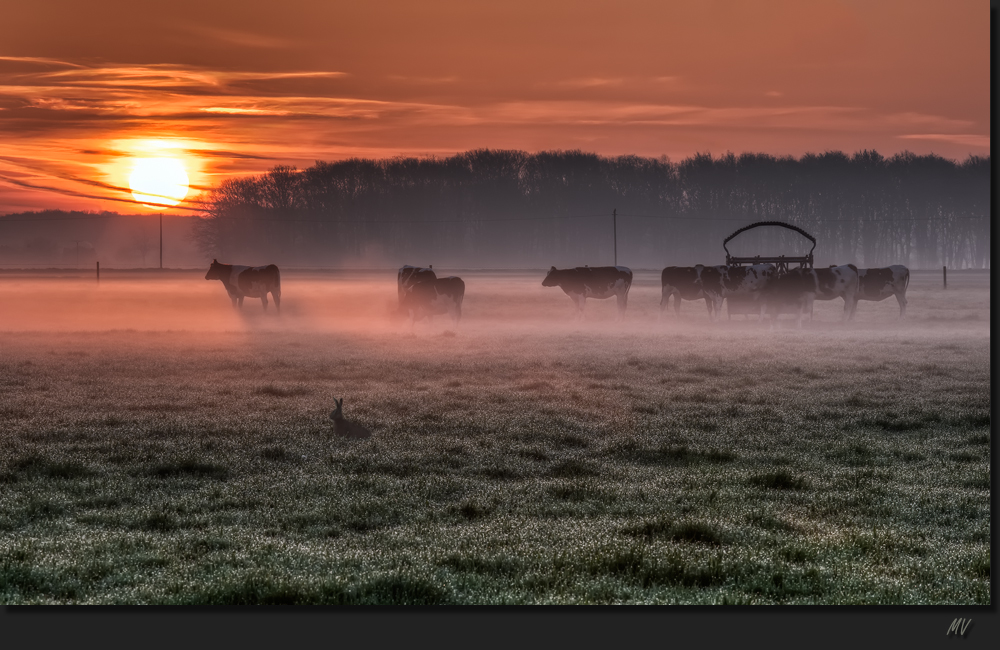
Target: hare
{"type": "Point", "coordinates": [344, 428]}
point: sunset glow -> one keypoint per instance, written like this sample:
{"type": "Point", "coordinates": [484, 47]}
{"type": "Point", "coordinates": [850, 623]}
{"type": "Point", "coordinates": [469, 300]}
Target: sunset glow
{"type": "Point", "coordinates": [158, 183]}
{"type": "Point", "coordinates": [238, 95]}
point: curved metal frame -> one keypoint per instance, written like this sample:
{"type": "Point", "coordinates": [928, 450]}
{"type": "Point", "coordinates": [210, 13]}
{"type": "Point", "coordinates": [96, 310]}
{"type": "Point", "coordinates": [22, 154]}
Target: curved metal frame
{"type": "Point", "coordinates": [781, 260]}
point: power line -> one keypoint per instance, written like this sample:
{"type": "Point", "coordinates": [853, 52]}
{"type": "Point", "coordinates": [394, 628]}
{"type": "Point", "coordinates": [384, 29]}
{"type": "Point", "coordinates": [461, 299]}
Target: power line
{"type": "Point", "coordinates": [476, 221]}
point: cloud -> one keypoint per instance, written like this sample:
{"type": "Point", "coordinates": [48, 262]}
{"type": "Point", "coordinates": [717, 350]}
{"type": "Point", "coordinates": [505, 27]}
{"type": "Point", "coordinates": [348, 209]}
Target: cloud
{"type": "Point", "coordinates": [235, 37]}
{"type": "Point", "coordinates": [968, 139]}
{"type": "Point", "coordinates": [423, 80]}
{"type": "Point", "coordinates": [591, 82]}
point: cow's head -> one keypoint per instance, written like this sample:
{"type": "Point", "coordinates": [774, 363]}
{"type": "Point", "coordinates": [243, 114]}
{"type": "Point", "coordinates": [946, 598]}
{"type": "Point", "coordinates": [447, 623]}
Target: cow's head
{"type": "Point", "coordinates": [216, 271]}
{"type": "Point", "coordinates": [550, 278]}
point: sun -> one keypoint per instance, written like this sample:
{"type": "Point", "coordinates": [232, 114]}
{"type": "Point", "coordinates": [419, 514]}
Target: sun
{"type": "Point", "coordinates": [158, 183]}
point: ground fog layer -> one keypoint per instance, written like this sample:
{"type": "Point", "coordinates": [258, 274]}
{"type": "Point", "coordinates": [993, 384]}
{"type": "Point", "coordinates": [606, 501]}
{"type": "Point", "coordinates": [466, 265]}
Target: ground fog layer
{"type": "Point", "coordinates": [159, 447]}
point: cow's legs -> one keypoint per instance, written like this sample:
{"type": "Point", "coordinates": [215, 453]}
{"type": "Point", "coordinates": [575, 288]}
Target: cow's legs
{"type": "Point", "coordinates": [853, 310]}
{"type": "Point", "coordinates": [277, 300]}
{"type": "Point", "coordinates": [240, 300]}
{"type": "Point", "coordinates": [901, 299]}
{"type": "Point", "coordinates": [850, 304]}
{"type": "Point", "coordinates": [263, 299]}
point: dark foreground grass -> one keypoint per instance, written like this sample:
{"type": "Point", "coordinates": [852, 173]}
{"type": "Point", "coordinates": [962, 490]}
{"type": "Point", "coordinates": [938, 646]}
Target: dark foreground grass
{"type": "Point", "coordinates": [666, 466]}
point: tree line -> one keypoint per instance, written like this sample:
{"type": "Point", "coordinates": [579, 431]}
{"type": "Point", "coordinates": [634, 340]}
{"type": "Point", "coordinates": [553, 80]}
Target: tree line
{"type": "Point", "coordinates": [512, 209]}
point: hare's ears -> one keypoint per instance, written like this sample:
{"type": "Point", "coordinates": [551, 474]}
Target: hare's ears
{"type": "Point", "coordinates": [340, 403]}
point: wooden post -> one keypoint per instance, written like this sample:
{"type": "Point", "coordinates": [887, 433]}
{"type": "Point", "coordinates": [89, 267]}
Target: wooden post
{"type": "Point", "coordinates": [614, 217]}
{"type": "Point", "coordinates": [98, 272]}
{"type": "Point", "coordinates": [944, 270]}
{"type": "Point", "coordinates": [161, 241]}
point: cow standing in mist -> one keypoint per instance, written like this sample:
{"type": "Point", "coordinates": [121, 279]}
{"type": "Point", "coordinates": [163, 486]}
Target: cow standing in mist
{"type": "Point", "coordinates": [838, 282]}
{"type": "Point", "coordinates": [599, 282]}
{"type": "Point", "coordinates": [719, 283]}
{"type": "Point", "coordinates": [422, 293]}
{"type": "Point", "coordinates": [248, 282]}
{"type": "Point", "coordinates": [799, 288]}
{"type": "Point", "coordinates": [793, 291]}
{"type": "Point", "coordinates": [879, 284]}
{"type": "Point", "coordinates": [683, 282]}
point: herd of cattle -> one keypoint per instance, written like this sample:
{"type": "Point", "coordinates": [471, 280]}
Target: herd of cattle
{"type": "Point", "coordinates": [421, 293]}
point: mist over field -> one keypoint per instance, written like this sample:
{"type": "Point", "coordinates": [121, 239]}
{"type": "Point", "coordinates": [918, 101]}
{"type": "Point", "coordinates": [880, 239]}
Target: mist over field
{"type": "Point", "coordinates": [161, 447]}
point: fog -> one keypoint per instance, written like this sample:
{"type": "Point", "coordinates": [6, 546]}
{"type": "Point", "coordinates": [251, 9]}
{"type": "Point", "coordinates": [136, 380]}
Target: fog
{"type": "Point", "coordinates": [364, 303]}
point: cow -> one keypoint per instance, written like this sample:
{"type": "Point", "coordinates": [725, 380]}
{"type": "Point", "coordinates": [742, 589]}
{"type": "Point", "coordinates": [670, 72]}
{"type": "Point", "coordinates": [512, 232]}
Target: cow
{"type": "Point", "coordinates": [801, 287]}
{"type": "Point", "coordinates": [838, 282]}
{"type": "Point", "coordinates": [248, 282]}
{"type": "Point", "coordinates": [422, 294]}
{"type": "Point", "coordinates": [598, 282]}
{"type": "Point", "coordinates": [408, 275]}
{"type": "Point", "coordinates": [879, 284]}
{"type": "Point", "coordinates": [683, 282]}
{"type": "Point", "coordinates": [719, 283]}
{"type": "Point", "coordinates": [794, 290]}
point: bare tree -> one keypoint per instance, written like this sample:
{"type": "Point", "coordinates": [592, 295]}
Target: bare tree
{"type": "Point", "coordinates": [142, 242]}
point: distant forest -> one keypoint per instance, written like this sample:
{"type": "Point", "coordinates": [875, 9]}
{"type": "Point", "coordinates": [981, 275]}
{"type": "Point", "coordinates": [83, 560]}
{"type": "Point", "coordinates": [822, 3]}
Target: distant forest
{"type": "Point", "coordinates": [490, 208]}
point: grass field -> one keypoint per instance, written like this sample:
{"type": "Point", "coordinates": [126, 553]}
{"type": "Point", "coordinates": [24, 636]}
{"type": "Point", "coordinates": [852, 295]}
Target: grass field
{"type": "Point", "coordinates": [157, 446]}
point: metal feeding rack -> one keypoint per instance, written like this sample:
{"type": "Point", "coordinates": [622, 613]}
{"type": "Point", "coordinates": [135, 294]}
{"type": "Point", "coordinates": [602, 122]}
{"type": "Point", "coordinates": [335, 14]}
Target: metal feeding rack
{"type": "Point", "coordinates": [781, 261]}
{"type": "Point", "coordinates": [748, 304]}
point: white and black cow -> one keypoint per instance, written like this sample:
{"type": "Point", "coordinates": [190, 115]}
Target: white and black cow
{"type": "Point", "coordinates": [798, 288]}
{"type": "Point", "coordinates": [683, 283]}
{"type": "Point", "coordinates": [422, 294]}
{"type": "Point", "coordinates": [879, 284]}
{"type": "Point", "coordinates": [736, 282]}
{"type": "Point", "coordinates": [838, 282]}
{"type": "Point", "coordinates": [592, 282]}
{"type": "Point", "coordinates": [248, 282]}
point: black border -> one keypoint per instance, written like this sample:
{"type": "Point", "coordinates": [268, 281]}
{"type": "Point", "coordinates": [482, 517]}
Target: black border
{"type": "Point", "coordinates": [550, 626]}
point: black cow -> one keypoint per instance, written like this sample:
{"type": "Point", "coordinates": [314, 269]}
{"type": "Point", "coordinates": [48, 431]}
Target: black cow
{"type": "Point", "coordinates": [422, 294]}
{"type": "Point", "coordinates": [683, 282]}
{"type": "Point", "coordinates": [248, 281]}
{"type": "Point", "coordinates": [598, 282]}
{"type": "Point", "coordinates": [720, 283]}
{"type": "Point", "coordinates": [409, 275]}
{"type": "Point", "coordinates": [879, 284]}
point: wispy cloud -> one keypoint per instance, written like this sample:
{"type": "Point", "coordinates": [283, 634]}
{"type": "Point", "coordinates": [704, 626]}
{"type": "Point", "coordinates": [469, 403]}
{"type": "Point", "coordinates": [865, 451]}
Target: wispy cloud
{"type": "Point", "coordinates": [968, 139]}
{"type": "Point", "coordinates": [591, 82]}
{"type": "Point", "coordinates": [236, 37]}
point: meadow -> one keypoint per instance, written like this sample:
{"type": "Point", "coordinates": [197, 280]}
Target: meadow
{"type": "Point", "coordinates": [159, 447]}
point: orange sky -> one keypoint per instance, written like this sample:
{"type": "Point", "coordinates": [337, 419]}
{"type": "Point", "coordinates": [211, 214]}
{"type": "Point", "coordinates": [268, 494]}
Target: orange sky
{"type": "Point", "coordinates": [237, 87]}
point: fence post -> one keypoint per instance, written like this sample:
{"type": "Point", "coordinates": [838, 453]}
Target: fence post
{"type": "Point", "coordinates": [944, 269]}
{"type": "Point", "coordinates": [98, 272]}
{"type": "Point", "coordinates": [614, 217]}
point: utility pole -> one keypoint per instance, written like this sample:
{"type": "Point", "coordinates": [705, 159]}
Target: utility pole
{"type": "Point", "coordinates": [161, 241]}
{"type": "Point", "coordinates": [614, 217]}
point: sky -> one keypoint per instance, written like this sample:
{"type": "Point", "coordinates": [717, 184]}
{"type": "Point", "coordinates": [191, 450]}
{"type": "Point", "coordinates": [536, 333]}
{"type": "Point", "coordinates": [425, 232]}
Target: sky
{"type": "Point", "coordinates": [235, 88]}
